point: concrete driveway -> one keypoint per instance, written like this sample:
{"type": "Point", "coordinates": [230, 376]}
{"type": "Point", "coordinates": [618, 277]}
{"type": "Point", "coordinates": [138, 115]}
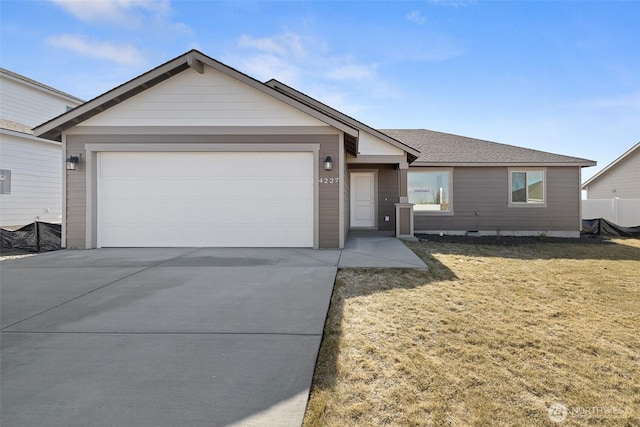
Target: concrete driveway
{"type": "Point", "coordinates": [162, 337]}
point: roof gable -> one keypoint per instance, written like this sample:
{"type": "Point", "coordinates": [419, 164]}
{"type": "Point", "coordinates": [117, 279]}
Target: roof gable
{"type": "Point", "coordinates": [314, 103]}
{"type": "Point", "coordinates": [193, 59]}
{"type": "Point", "coordinates": [446, 149]}
{"type": "Point", "coordinates": [612, 166]}
{"type": "Point", "coordinates": [207, 98]}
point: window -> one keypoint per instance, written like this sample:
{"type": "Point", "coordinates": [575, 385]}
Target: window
{"type": "Point", "coordinates": [5, 181]}
{"type": "Point", "coordinates": [430, 191]}
{"type": "Point", "coordinates": [527, 187]}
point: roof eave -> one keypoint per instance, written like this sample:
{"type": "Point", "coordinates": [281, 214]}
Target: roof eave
{"type": "Point", "coordinates": [325, 109]}
{"type": "Point", "coordinates": [53, 128]}
{"type": "Point", "coordinates": [193, 59]}
{"type": "Point", "coordinates": [503, 164]}
{"type": "Point", "coordinates": [610, 166]}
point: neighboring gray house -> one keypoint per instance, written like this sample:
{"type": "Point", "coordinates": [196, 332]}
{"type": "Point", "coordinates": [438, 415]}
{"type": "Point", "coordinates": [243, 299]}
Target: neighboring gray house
{"type": "Point", "coordinates": [30, 167]}
{"type": "Point", "coordinates": [195, 153]}
{"type": "Point", "coordinates": [614, 192]}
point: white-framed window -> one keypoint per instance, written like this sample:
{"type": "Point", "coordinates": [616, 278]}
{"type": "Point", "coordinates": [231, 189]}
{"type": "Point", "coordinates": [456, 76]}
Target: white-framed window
{"type": "Point", "coordinates": [430, 190]}
{"type": "Point", "coordinates": [5, 181]}
{"type": "Point", "coordinates": [527, 187]}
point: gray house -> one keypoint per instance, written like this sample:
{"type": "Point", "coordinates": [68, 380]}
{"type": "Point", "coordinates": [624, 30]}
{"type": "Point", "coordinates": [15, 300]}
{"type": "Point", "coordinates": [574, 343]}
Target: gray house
{"type": "Point", "coordinates": [196, 153]}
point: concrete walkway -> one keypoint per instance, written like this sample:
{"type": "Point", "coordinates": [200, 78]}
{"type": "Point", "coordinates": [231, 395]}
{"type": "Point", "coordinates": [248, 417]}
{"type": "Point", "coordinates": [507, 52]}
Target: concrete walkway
{"type": "Point", "coordinates": [375, 249]}
{"type": "Point", "coordinates": [171, 336]}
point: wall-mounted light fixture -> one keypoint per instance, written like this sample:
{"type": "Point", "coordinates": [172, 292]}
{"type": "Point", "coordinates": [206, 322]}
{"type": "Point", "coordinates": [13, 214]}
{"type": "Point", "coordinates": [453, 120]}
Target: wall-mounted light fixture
{"type": "Point", "coordinates": [328, 163]}
{"type": "Point", "coordinates": [72, 162]}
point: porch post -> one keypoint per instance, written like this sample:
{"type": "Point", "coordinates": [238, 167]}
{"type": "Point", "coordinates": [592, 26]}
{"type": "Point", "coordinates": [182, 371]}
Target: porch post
{"type": "Point", "coordinates": [402, 180]}
{"type": "Point", "coordinates": [404, 209]}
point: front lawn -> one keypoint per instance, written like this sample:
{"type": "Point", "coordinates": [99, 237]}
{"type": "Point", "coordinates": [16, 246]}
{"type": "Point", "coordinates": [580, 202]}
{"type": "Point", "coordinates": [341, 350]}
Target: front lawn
{"type": "Point", "coordinates": [491, 336]}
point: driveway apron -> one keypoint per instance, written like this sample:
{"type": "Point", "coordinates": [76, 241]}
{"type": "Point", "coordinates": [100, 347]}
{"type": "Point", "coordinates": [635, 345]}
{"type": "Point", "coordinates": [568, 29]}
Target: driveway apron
{"type": "Point", "coordinates": [162, 337]}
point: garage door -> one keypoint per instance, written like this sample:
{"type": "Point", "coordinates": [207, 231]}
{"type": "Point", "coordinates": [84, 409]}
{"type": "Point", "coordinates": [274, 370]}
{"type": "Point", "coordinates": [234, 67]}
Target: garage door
{"type": "Point", "coordinates": [205, 199]}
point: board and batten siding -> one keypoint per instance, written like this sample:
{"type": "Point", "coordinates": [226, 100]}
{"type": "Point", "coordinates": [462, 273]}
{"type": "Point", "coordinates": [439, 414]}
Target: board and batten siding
{"type": "Point", "coordinates": [624, 178]}
{"type": "Point", "coordinates": [480, 199]}
{"type": "Point", "coordinates": [36, 180]}
{"type": "Point", "coordinates": [209, 99]}
{"type": "Point", "coordinates": [328, 211]}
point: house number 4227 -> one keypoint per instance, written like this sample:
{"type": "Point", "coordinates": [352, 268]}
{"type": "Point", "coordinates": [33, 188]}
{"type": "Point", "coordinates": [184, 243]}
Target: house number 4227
{"type": "Point", "coordinates": [329, 180]}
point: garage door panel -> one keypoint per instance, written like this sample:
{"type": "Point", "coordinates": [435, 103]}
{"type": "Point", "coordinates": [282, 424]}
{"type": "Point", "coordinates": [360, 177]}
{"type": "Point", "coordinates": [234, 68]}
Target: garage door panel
{"type": "Point", "coordinates": [206, 199]}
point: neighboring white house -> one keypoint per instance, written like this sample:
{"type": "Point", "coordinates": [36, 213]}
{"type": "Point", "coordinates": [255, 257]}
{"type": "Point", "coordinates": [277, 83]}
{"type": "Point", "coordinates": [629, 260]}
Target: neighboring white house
{"type": "Point", "coordinates": [614, 192]}
{"type": "Point", "coordinates": [30, 167]}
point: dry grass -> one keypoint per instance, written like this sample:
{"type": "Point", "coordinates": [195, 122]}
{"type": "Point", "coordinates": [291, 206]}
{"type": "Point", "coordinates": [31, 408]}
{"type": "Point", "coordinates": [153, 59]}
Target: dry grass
{"type": "Point", "coordinates": [490, 336]}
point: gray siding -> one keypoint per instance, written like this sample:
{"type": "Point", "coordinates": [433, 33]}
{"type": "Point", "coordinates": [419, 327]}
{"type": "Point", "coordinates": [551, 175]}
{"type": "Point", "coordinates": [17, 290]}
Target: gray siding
{"type": "Point", "coordinates": [388, 193]}
{"type": "Point", "coordinates": [480, 202]}
{"type": "Point", "coordinates": [328, 210]}
{"type": "Point", "coordinates": [624, 178]}
{"type": "Point", "coordinates": [346, 182]}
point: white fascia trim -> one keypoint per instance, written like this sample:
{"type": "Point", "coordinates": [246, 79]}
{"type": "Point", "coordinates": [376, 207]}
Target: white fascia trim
{"type": "Point", "coordinates": [28, 137]}
{"type": "Point", "coordinates": [610, 166]}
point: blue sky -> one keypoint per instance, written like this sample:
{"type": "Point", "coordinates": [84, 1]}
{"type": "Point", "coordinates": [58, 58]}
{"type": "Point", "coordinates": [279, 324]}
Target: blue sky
{"type": "Point", "coordinates": [558, 76]}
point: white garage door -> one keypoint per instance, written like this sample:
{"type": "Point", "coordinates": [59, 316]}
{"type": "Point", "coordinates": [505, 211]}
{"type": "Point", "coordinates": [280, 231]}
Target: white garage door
{"type": "Point", "coordinates": [205, 199]}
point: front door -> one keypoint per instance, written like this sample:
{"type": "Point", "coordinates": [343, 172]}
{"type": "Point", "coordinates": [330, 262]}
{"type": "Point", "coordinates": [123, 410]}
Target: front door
{"type": "Point", "coordinates": [363, 199]}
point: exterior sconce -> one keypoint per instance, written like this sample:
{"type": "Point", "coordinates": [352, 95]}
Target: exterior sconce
{"type": "Point", "coordinates": [328, 163]}
{"type": "Point", "coordinates": [72, 161]}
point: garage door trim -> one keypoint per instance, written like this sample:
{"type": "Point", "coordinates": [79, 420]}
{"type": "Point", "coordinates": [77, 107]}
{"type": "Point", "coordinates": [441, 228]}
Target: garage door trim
{"type": "Point", "coordinates": [92, 177]}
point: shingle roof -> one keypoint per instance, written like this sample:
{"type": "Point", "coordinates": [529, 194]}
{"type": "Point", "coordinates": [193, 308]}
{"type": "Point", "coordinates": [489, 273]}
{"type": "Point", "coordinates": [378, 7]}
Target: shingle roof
{"type": "Point", "coordinates": [448, 149]}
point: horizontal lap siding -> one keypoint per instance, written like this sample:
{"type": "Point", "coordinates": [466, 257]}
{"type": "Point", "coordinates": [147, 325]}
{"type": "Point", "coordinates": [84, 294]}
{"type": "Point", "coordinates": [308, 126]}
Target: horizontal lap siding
{"type": "Point", "coordinates": [329, 194]}
{"type": "Point", "coordinates": [480, 202]}
{"type": "Point", "coordinates": [624, 178]}
{"type": "Point", "coordinates": [327, 211]}
{"type": "Point", "coordinates": [208, 99]}
{"type": "Point", "coordinates": [76, 198]}
{"type": "Point", "coordinates": [36, 181]}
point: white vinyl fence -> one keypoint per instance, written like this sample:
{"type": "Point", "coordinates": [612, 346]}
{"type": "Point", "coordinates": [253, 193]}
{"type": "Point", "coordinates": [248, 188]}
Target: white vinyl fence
{"type": "Point", "coordinates": [623, 212]}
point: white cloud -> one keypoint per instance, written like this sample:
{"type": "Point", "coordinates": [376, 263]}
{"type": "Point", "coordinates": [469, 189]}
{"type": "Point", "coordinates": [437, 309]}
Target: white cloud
{"type": "Point", "coordinates": [265, 66]}
{"type": "Point", "coordinates": [280, 44]}
{"type": "Point", "coordinates": [130, 14]}
{"type": "Point", "coordinates": [124, 54]}
{"type": "Point", "coordinates": [417, 17]}
{"type": "Point", "coordinates": [308, 65]}
{"type": "Point", "coordinates": [453, 3]}
{"type": "Point", "coordinates": [352, 72]}
{"type": "Point", "coordinates": [121, 12]}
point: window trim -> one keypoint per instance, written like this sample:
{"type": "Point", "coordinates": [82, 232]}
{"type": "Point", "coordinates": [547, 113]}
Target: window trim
{"type": "Point", "coordinates": [525, 204]}
{"type": "Point", "coordinates": [450, 183]}
{"type": "Point", "coordinates": [5, 177]}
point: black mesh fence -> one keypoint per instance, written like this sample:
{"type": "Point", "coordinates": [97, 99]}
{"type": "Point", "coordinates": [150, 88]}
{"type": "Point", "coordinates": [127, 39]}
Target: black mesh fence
{"type": "Point", "coordinates": [602, 227]}
{"type": "Point", "coordinates": [35, 237]}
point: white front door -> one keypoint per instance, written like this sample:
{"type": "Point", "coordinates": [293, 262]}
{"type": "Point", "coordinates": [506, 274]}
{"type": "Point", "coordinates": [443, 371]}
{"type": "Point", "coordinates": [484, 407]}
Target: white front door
{"type": "Point", "coordinates": [363, 199]}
